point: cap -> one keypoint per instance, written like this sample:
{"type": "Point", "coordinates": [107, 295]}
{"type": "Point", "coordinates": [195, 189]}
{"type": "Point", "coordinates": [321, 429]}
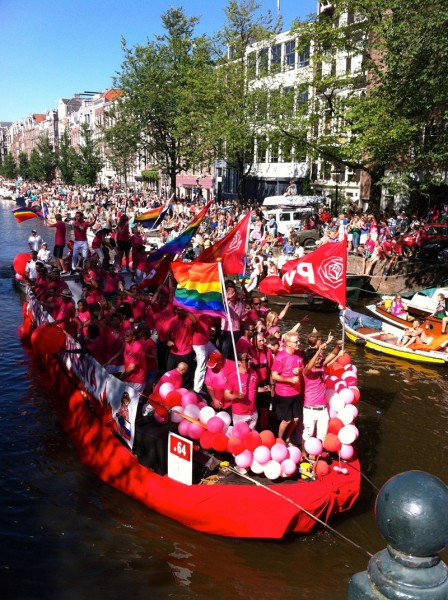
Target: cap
{"type": "Point", "coordinates": [33, 231]}
{"type": "Point", "coordinates": [230, 284]}
{"type": "Point", "coordinates": [214, 359]}
{"type": "Point", "coordinates": [67, 293]}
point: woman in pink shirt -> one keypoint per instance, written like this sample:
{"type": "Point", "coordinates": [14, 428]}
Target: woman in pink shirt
{"type": "Point", "coordinates": [241, 391]}
{"type": "Point", "coordinates": [123, 239]}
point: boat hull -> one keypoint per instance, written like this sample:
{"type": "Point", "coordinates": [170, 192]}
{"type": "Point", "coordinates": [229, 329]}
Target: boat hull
{"type": "Point", "coordinates": [246, 511]}
{"type": "Point", "coordinates": [432, 324]}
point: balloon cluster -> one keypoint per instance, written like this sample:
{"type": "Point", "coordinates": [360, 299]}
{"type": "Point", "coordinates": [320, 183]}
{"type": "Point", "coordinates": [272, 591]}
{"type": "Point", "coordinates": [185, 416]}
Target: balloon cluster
{"type": "Point", "coordinates": [48, 338]}
{"type": "Point", "coordinates": [342, 395]}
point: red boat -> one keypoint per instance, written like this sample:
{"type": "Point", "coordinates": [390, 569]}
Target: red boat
{"type": "Point", "coordinates": [228, 505]}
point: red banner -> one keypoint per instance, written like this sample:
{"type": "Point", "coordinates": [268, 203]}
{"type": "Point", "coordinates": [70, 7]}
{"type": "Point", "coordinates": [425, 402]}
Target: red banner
{"type": "Point", "coordinates": [322, 272]}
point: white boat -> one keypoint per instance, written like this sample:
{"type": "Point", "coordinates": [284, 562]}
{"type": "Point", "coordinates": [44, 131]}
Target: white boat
{"type": "Point", "coordinates": [424, 302]}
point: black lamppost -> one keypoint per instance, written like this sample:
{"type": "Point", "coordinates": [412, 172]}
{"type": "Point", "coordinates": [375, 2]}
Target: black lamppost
{"type": "Point", "coordinates": [336, 174]}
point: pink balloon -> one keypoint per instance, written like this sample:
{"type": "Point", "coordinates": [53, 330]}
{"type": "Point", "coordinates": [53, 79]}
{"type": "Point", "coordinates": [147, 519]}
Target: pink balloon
{"type": "Point", "coordinates": [346, 452]}
{"type": "Point", "coordinates": [348, 373]}
{"type": "Point", "coordinates": [195, 431]}
{"type": "Point", "coordinates": [288, 467]}
{"type": "Point", "coordinates": [350, 381]}
{"type": "Point", "coordinates": [184, 428]}
{"type": "Point", "coordinates": [216, 425]}
{"type": "Point", "coordinates": [240, 429]}
{"type": "Point", "coordinates": [347, 396]}
{"type": "Point", "coordinates": [244, 460]}
{"type": "Point", "coordinates": [175, 418]}
{"type": "Point", "coordinates": [202, 404]}
{"type": "Point", "coordinates": [331, 382]}
{"type": "Point", "coordinates": [279, 452]}
{"type": "Point", "coordinates": [272, 470]}
{"type": "Point", "coordinates": [182, 391]}
{"type": "Point", "coordinates": [295, 454]}
{"type": "Point", "coordinates": [165, 389]}
{"type": "Point", "coordinates": [313, 446]}
{"type": "Point", "coordinates": [19, 277]}
{"type": "Point", "coordinates": [348, 434]}
{"type": "Point", "coordinates": [189, 398]}
{"type": "Point", "coordinates": [256, 468]}
{"type": "Point", "coordinates": [262, 455]}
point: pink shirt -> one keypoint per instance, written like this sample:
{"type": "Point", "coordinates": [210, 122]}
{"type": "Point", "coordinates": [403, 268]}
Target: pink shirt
{"type": "Point", "coordinates": [173, 377]}
{"type": "Point", "coordinates": [244, 345]}
{"type": "Point", "coordinates": [80, 230]}
{"type": "Point", "coordinates": [218, 380]}
{"type": "Point", "coordinates": [246, 405]}
{"type": "Point", "coordinates": [201, 330]}
{"type": "Point", "coordinates": [162, 320]}
{"type": "Point", "coordinates": [315, 388]}
{"type": "Point", "coordinates": [59, 239]}
{"type": "Point", "coordinates": [134, 354]}
{"type": "Point", "coordinates": [181, 333]}
{"type": "Point", "coordinates": [283, 364]}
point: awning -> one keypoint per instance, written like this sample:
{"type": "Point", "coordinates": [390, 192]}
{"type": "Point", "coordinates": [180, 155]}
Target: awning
{"type": "Point", "coordinates": [191, 181]}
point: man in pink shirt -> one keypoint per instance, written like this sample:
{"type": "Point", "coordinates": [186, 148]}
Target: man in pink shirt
{"type": "Point", "coordinates": [216, 379]}
{"type": "Point", "coordinates": [243, 398]}
{"type": "Point", "coordinates": [180, 342]}
{"type": "Point", "coordinates": [175, 376]}
{"type": "Point", "coordinates": [59, 241]}
{"type": "Point", "coordinates": [134, 373]}
{"type": "Point", "coordinates": [65, 312]}
{"type": "Point", "coordinates": [244, 344]}
{"type": "Point", "coordinates": [81, 245]}
{"type": "Point", "coordinates": [286, 373]}
{"type": "Point", "coordinates": [202, 347]}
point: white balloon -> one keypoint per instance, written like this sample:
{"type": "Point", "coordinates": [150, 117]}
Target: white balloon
{"type": "Point", "coordinates": [206, 413]}
{"type": "Point", "coordinates": [272, 470]}
{"type": "Point", "coordinates": [337, 403]}
{"type": "Point", "coordinates": [256, 467]}
{"type": "Point", "coordinates": [192, 410]}
{"type": "Point", "coordinates": [222, 414]}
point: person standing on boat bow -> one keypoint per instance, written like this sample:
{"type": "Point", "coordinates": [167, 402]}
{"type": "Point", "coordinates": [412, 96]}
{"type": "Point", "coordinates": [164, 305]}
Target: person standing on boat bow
{"type": "Point", "coordinates": [81, 245]}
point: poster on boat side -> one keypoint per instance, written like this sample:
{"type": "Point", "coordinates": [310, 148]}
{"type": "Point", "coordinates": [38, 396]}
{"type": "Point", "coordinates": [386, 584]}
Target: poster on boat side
{"type": "Point", "coordinates": [180, 459]}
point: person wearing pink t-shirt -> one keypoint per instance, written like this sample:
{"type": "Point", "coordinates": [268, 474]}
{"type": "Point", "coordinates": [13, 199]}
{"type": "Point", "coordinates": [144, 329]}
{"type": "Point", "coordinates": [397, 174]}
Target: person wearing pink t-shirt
{"type": "Point", "coordinates": [59, 241]}
{"type": "Point", "coordinates": [180, 342]}
{"type": "Point", "coordinates": [286, 374]}
{"type": "Point", "coordinates": [162, 313]}
{"type": "Point", "coordinates": [241, 391]}
{"type": "Point", "coordinates": [202, 347]}
{"type": "Point", "coordinates": [134, 373]}
{"type": "Point", "coordinates": [175, 376]}
{"type": "Point", "coordinates": [244, 344]}
{"type": "Point", "coordinates": [218, 373]}
{"type": "Point", "coordinates": [81, 245]}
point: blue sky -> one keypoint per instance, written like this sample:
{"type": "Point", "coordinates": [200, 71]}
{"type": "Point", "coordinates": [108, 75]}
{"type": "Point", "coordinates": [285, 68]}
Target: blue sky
{"type": "Point", "coordinates": [52, 49]}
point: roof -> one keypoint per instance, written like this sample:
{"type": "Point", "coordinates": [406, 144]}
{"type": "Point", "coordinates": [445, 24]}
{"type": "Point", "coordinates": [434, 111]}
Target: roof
{"type": "Point", "coordinates": [111, 95]}
{"type": "Point", "coordinates": [39, 118]}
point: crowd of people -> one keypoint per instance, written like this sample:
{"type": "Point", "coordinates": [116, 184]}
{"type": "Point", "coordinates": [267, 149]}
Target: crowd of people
{"type": "Point", "coordinates": [246, 367]}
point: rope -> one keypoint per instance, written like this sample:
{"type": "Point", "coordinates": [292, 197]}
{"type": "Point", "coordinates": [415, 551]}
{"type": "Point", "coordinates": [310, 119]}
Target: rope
{"type": "Point", "coordinates": [346, 539]}
{"type": "Point", "coordinates": [361, 473]}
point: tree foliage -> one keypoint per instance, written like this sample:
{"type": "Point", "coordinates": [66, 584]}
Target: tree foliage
{"type": "Point", "coordinates": [67, 159]}
{"type": "Point", "coordinates": [24, 165]}
{"type": "Point", "coordinates": [8, 167]}
{"type": "Point", "coordinates": [88, 160]}
{"type": "Point", "coordinates": [167, 94]}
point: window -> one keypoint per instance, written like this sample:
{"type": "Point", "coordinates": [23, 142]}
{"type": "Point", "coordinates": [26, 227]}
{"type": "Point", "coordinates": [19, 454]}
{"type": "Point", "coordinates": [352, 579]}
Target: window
{"type": "Point", "coordinates": [251, 65]}
{"type": "Point", "coordinates": [263, 61]}
{"type": "Point", "coordinates": [274, 143]}
{"type": "Point", "coordinates": [348, 65]}
{"type": "Point", "coordinates": [286, 148]}
{"type": "Point", "coordinates": [288, 101]}
{"type": "Point", "coordinates": [276, 58]}
{"type": "Point", "coordinates": [290, 55]}
{"type": "Point", "coordinates": [285, 216]}
{"type": "Point", "coordinates": [304, 58]}
{"type": "Point", "coordinates": [262, 146]}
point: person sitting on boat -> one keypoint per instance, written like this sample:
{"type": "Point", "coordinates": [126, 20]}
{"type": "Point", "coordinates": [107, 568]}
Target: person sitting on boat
{"type": "Point", "coordinates": [441, 311]}
{"type": "Point", "coordinates": [44, 254]}
{"type": "Point", "coordinates": [241, 391]}
{"type": "Point", "coordinates": [134, 373]}
{"type": "Point", "coordinates": [398, 308]}
{"type": "Point", "coordinates": [286, 371]}
{"type": "Point", "coordinates": [291, 190]}
{"type": "Point", "coordinates": [414, 335]}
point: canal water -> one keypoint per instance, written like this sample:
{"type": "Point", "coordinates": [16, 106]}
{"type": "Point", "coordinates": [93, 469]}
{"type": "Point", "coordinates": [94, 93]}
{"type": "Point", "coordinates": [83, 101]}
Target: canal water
{"type": "Point", "coordinates": [65, 535]}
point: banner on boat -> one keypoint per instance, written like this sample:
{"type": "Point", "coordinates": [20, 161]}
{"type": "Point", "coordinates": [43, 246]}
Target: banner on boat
{"type": "Point", "coordinates": [94, 378]}
{"type": "Point", "coordinates": [321, 272]}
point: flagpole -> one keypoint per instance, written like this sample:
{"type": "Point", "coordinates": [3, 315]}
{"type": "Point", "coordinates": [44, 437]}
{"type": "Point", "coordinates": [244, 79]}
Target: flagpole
{"type": "Point", "coordinates": [167, 203]}
{"type": "Point", "coordinates": [226, 304]}
{"type": "Point", "coordinates": [343, 329]}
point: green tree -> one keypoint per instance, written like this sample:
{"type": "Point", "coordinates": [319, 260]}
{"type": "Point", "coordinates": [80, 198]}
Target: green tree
{"type": "Point", "coordinates": [8, 167]}
{"type": "Point", "coordinates": [167, 93]}
{"type": "Point", "coordinates": [241, 90]}
{"type": "Point", "coordinates": [24, 165]}
{"type": "Point", "coordinates": [35, 166]}
{"type": "Point", "coordinates": [47, 158]}
{"type": "Point", "coordinates": [122, 141]}
{"type": "Point", "coordinates": [67, 159]}
{"type": "Point", "coordinates": [88, 161]}
{"type": "Point", "coordinates": [388, 114]}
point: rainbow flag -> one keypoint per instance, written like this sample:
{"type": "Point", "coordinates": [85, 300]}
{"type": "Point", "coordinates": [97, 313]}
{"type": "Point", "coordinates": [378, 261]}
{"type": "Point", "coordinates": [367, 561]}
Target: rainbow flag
{"type": "Point", "coordinates": [198, 288]}
{"type": "Point", "coordinates": [150, 217]}
{"type": "Point", "coordinates": [178, 245]}
{"type": "Point", "coordinates": [22, 214]}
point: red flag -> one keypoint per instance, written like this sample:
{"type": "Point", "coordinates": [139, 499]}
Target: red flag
{"type": "Point", "coordinates": [321, 272]}
{"type": "Point", "coordinates": [157, 271]}
{"type": "Point", "coordinates": [231, 249]}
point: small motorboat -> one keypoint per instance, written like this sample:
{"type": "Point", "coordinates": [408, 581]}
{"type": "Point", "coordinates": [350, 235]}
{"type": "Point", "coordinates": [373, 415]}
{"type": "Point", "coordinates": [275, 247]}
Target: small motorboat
{"type": "Point", "coordinates": [384, 337]}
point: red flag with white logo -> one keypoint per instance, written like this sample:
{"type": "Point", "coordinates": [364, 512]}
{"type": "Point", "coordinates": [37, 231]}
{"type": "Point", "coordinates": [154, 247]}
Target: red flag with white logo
{"type": "Point", "coordinates": [231, 249]}
{"type": "Point", "coordinates": [322, 272]}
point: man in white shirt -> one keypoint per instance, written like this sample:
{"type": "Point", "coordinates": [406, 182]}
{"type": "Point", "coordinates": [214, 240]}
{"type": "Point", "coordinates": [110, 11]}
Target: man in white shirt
{"type": "Point", "coordinates": [35, 241]}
